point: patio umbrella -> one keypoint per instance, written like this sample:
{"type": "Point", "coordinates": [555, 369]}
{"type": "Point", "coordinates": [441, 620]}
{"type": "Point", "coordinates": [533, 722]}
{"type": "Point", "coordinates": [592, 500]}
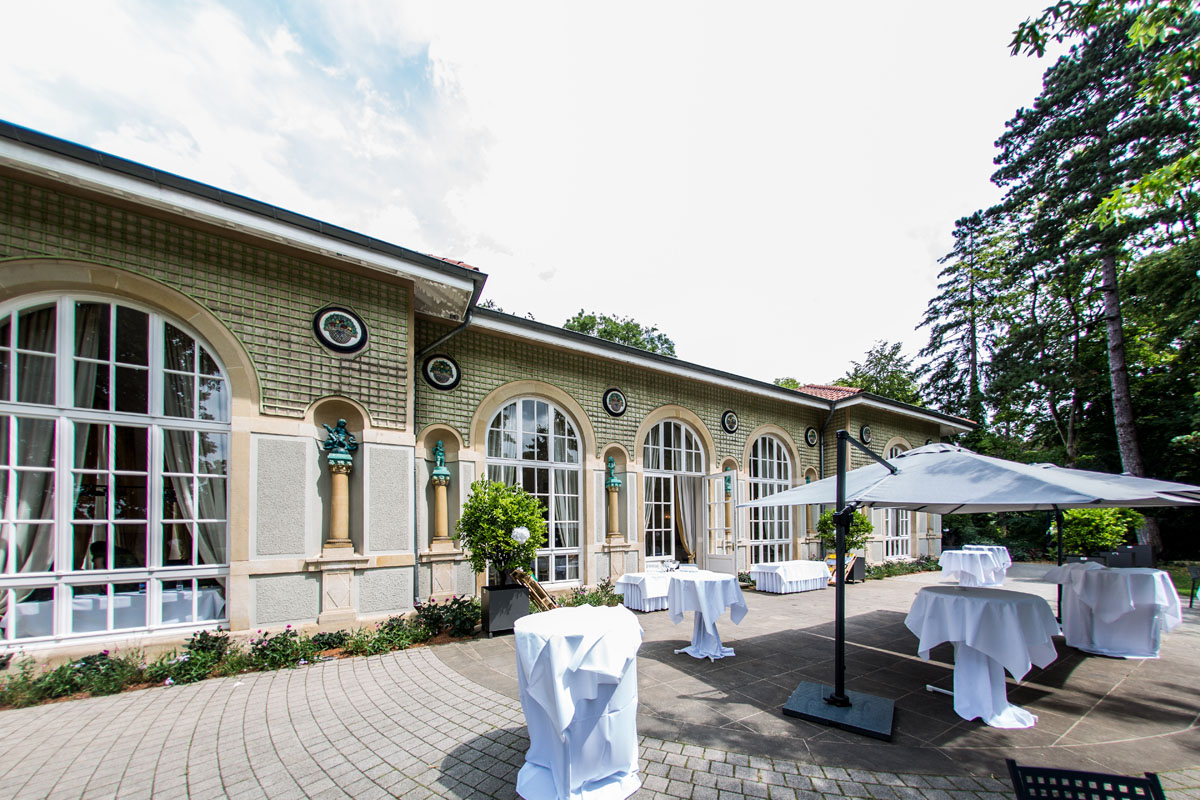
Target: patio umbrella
{"type": "Point", "coordinates": [944, 479]}
{"type": "Point", "coordinates": [948, 479]}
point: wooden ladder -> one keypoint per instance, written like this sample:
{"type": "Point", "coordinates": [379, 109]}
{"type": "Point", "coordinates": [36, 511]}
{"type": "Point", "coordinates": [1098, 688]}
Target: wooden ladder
{"type": "Point", "coordinates": [849, 565]}
{"type": "Point", "coordinates": [537, 594]}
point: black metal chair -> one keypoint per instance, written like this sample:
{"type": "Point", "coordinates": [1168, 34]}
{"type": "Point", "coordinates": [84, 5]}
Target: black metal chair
{"type": "Point", "coordinates": [1033, 783]}
{"type": "Point", "coordinates": [1195, 573]}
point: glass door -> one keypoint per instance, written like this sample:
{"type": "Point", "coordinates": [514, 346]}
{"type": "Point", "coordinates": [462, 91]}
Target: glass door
{"type": "Point", "coordinates": [720, 544]}
{"type": "Point", "coordinates": [660, 518]}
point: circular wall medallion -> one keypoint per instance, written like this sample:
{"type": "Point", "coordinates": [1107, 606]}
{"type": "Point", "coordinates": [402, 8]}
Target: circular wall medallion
{"type": "Point", "coordinates": [614, 401]}
{"type": "Point", "coordinates": [441, 372]}
{"type": "Point", "coordinates": [340, 329]}
{"type": "Point", "coordinates": [729, 421]}
{"type": "Point", "coordinates": [810, 436]}
{"type": "Point", "coordinates": [864, 434]}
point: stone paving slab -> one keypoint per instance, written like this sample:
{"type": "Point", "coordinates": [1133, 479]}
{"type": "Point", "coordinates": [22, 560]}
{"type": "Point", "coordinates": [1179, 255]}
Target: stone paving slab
{"type": "Point", "coordinates": [412, 725]}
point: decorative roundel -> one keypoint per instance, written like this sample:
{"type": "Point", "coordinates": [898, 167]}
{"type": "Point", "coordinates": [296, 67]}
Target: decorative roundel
{"type": "Point", "coordinates": [441, 372]}
{"type": "Point", "coordinates": [810, 436]}
{"type": "Point", "coordinates": [614, 401]}
{"type": "Point", "coordinates": [729, 421]}
{"type": "Point", "coordinates": [340, 329]}
{"type": "Point", "coordinates": [864, 434]}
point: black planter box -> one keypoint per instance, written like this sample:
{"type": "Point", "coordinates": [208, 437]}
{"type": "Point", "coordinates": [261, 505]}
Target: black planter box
{"type": "Point", "coordinates": [858, 571]}
{"type": "Point", "coordinates": [502, 607]}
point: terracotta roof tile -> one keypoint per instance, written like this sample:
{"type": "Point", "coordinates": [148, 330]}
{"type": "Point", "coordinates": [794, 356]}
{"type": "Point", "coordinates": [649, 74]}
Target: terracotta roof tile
{"type": "Point", "coordinates": [829, 392]}
{"type": "Point", "coordinates": [457, 263]}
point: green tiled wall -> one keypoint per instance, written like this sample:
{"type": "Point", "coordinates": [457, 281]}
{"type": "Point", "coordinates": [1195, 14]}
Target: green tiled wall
{"type": "Point", "coordinates": [489, 361]}
{"type": "Point", "coordinates": [266, 299]}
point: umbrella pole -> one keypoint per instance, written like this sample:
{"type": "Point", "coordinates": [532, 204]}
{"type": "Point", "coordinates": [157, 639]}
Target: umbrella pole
{"type": "Point", "coordinates": [849, 710]}
{"type": "Point", "coordinates": [1058, 524]}
{"type": "Point", "coordinates": [839, 698]}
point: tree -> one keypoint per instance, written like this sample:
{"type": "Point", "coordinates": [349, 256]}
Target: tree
{"type": "Point", "coordinates": [1090, 132]}
{"type": "Point", "coordinates": [884, 371]}
{"type": "Point", "coordinates": [965, 318]}
{"type": "Point", "coordinates": [489, 517]}
{"type": "Point", "coordinates": [856, 537]}
{"type": "Point", "coordinates": [1167, 25]}
{"type": "Point", "coordinates": [788, 383]}
{"type": "Point", "coordinates": [622, 330]}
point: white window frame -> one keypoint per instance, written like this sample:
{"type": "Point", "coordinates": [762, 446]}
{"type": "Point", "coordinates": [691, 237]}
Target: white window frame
{"type": "Point", "coordinates": [549, 558]}
{"type": "Point", "coordinates": [62, 579]}
{"type": "Point", "coordinates": [897, 526]}
{"type": "Point", "coordinates": [770, 471]}
{"type": "Point", "coordinates": [686, 457]}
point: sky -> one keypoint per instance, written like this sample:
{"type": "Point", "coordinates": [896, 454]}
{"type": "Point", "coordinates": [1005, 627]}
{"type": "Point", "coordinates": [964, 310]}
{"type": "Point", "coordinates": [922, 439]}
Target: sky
{"type": "Point", "coordinates": [770, 184]}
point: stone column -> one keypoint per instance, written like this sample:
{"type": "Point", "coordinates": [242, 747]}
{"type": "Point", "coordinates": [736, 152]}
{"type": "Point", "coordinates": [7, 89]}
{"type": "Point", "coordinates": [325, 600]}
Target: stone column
{"type": "Point", "coordinates": [339, 506]}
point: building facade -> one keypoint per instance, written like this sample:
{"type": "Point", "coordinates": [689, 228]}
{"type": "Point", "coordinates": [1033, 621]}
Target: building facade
{"type": "Point", "coordinates": [196, 387]}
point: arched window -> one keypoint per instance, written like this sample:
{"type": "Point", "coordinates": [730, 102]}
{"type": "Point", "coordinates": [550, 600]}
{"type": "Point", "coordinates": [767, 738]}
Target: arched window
{"type": "Point", "coordinates": [896, 524]}
{"type": "Point", "coordinates": [671, 457]}
{"type": "Point", "coordinates": [533, 444]}
{"type": "Point", "coordinates": [770, 527]}
{"type": "Point", "coordinates": [114, 450]}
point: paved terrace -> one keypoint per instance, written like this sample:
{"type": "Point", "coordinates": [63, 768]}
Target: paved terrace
{"type": "Point", "coordinates": [445, 722]}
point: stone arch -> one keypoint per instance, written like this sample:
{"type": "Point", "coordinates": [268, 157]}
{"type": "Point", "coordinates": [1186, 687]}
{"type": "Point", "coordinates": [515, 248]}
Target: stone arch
{"type": "Point", "coordinates": [789, 444]}
{"type": "Point", "coordinates": [894, 442]}
{"type": "Point", "coordinates": [449, 436]}
{"type": "Point", "coordinates": [28, 276]}
{"type": "Point", "coordinates": [500, 396]}
{"type": "Point", "coordinates": [333, 407]}
{"type": "Point", "coordinates": [684, 415]}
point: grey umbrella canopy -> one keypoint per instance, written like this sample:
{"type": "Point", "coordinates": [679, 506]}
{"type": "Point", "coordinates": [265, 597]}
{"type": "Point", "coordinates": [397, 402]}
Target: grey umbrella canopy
{"type": "Point", "coordinates": [948, 479]}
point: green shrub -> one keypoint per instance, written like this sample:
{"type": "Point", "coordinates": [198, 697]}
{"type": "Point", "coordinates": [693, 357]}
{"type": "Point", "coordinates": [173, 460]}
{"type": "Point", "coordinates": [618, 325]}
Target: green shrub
{"type": "Point", "coordinates": [282, 650]}
{"type": "Point", "coordinates": [486, 524]}
{"type": "Point", "coordinates": [602, 595]}
{"type": "Point", "coordinates": [431, 616]}
{"type": "Point", "coordinates": [1088, 530]}
{"type": "Point", "coordinates": [236, 661]}
{"type": "Point", "coordinates": [214, 642]}
{"type": "Point", "coordinates": [462, 614]}
{"type": "Point", "coordinates": [359, 642]}
{"type": "Point", "coordinates": [744, 577]}
{"type": "Point", "coordinates": [187, 667]}
{"type": "Point", "coordinates": [19, 688]}
{"type": "Point", "coordinates": [330, 640]}
{"type": "Point", "coordinates": [889, 568]}
{"type": "Point", "coordinates": [97, 674]}
{"type": "Point", "coordinates": [856, 538]}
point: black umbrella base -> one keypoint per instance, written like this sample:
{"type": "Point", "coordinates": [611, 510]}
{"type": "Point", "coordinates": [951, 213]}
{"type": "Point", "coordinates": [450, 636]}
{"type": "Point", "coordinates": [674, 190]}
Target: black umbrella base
{"type": "Point", "coordinates": [867, 714]}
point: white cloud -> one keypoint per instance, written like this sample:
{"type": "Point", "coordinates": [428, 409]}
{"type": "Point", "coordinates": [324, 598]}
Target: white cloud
{"type": "Point", "coordinates": [768, 183]}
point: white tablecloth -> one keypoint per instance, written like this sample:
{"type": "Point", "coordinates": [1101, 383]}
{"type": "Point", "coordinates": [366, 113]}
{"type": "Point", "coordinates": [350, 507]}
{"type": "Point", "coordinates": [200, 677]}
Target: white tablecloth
{"type": "Point", "coordinates": [577, 675]}
{"type": "Point", "coordinates": [708, 594]}
{"type": "Point", "coordinates": [1003, 558]}
{"type": "Point", "coordinates": [790, 576]}
{"type": "Point", "coordinates": [992, 630]}
{"type": "Point", "coordinates": [972, 567]}
{"type": "Point", "coordinates": [1116, 612]}
{"type": "Point", "coordinates": [644, 591]}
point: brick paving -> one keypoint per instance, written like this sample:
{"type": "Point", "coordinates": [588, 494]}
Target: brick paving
{"type": "Point", "coordinates": [397, 725]}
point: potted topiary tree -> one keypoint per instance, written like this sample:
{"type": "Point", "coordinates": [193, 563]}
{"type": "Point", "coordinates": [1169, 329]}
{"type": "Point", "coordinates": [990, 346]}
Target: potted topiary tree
{"type": "Point", "coordinates": [501, 526]}
{"type": "Point", "coordinates": [856, 539]}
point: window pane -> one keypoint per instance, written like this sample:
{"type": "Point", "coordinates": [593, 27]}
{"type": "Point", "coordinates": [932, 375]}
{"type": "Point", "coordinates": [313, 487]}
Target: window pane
{"type": "Point", "coordinates": [210, 498]}
{"type": "Point", "coordinates": [179, 349]}
{"type": "Point", "coordinates": [89, 608]}
{"type": "Point", "coordinates": [89, 546]}
{"type": "Point", "coordinates": [91, 385]}
{"type": "Point", "coordinates": [129, 497]}
{"type": "Point", "coordinates": [5, 360]}
{"type": "Point", "coordinates": [35, 495]}
{"type": "Point", "coordinates": [177, 451]}
{"type": "Point", "coordinates": [214, 399]}
{"type": "Point", "coordinates": [177, 599]}
{"type": "Point", "coordinates": [37, 329]}
{"type": "Point", "coordinates": [35, 611]}
{"type": "Point", "coordinates": [35, 379]}
{"type": "Point", "coordinates": [493, 443]}
{"type": "Point", "coordinates": [130, 448]}
{"type": "Point", "coordinates": [132, 393]}
{"type": "Point", "coordinates": [35, 547]}
{"type": "Point", "coordinates": [91, 446]}
{"type": "Point", "coordinates": [129, 605]}
{"type": "Point", "coordinates": [214, 453]}
{"type": "Point", "coordinates": [177, 542]}
{"type": "Point", "coordinates": [91, 496]}
{"type": "Point", "coordinates": [178, 391]}
{"type": "Point", "coordinates": [133, 336]}
{"type": "Point", "coordinates": [207, 365]}
{"type": "Point", "coordinates": [210, 598]}
{"type": "Point", "coordinates": [129, 546]}
{"type": "Point", "coordinates": [91, 330]}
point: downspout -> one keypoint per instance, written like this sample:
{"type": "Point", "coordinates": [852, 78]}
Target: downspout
{"type": "Point", "coordinates": [467, 317]}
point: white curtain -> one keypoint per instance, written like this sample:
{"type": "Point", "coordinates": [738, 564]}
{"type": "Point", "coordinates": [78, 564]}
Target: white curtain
{"type": "Point", "coordinates": [205, 500]}
{"type": "Point", "coordinates": [687, 491]}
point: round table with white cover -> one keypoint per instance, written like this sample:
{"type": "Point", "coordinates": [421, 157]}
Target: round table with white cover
{"type": "Point", "coordinates": [644, 591]}
{"type": "Point", "coordinates": [972, 567]}
{"type": "Point", "coordinates": [577, 676]}
{"type": "Point", "coordinates": [1003, 558]}
{"type": "Point", "coordinates": [786, 577]}
{"type": "Point", "coordinates": [1116, 612]}
{"type": "Point", "coordinates": [708, 594]}
{"type": "Point", "coordinates": [992, 630]}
